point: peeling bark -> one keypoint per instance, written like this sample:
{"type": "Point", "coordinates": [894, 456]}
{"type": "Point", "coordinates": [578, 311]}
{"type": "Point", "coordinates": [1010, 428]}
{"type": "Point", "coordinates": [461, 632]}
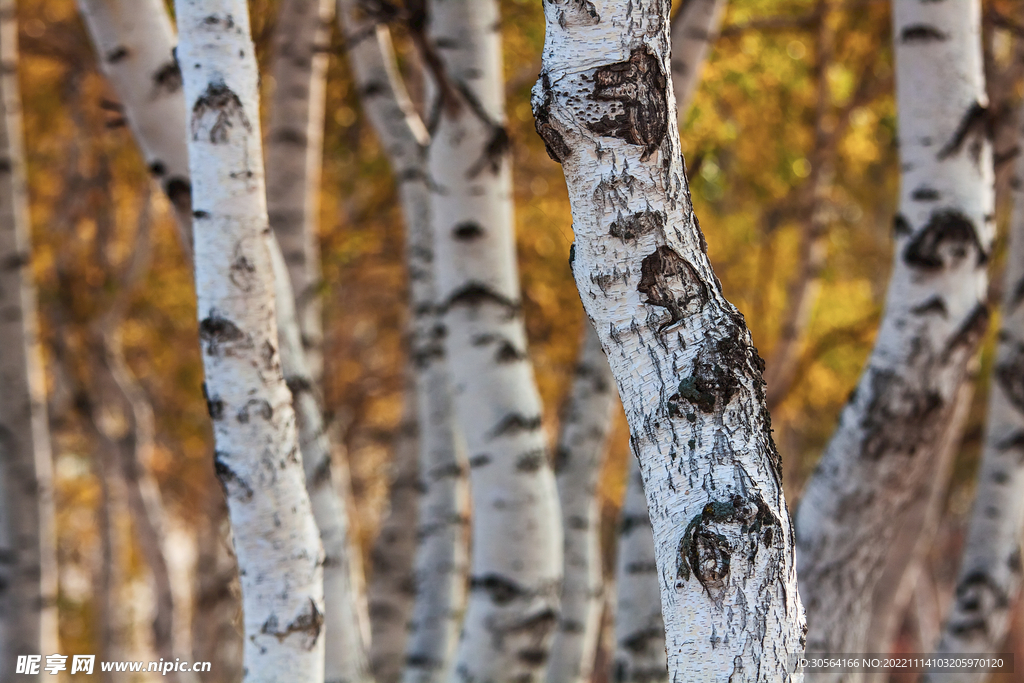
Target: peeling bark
{"type": "Point", "coordinates": [516, 564]}
{"type": "Point", "coordinates": [889, 434]}
{"type": "Point", "coordinates": [28, 552]}
{"type": "Point", "coordinates": [258, 461]}
{"type": "Point", "coordinates": [988, 584]}
{"type": "Point", "coordinates": [582, 445]}
{"type": "Point", "coordinates": [681, 354]}
{"type": "Point", "coordinates": [295, 154]}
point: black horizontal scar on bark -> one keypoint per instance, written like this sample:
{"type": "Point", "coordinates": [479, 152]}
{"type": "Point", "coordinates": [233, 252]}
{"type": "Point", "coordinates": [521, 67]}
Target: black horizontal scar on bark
{"type": "Point", "coordinates": [258, 407]}
{"type": "Point", "coordinates": [516, 423]}
{"type": "Point", "coordinates": [501, 590]}
{"type": "Point", "coordinates": [669, 281]}
{"type": "Point", "coordinates": [467, 231]}
{"type": "Point", "coordinates": [220, 102]}
{"type": "Point", "coordinates": [310, 623]}
{"type": "Point", "coordinates": [168, 77]}
{"type": "Point", "coordinates": [947, 227]}
{"type": "Point", "coordinates": [117, 54]}
{"type": "Point", "coordinates": [475, 294]}
{"type": "Point", "coordinates": [640, 87]}
{"type": "Point", "coordinates": [921, 33]}
{"type": "Point", "coordinates": [225, 475]}
{"type": "Point", "coordinates": [216, 330]}
{"type": "Point", "coordinates": [637, 225]}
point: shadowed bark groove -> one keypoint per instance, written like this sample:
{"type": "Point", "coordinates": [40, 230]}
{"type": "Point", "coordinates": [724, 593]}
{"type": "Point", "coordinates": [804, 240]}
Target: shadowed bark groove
{"type": "Point", "coordinates": [889, 435]}
{"type": "Point", "coordinates": [687, 372]}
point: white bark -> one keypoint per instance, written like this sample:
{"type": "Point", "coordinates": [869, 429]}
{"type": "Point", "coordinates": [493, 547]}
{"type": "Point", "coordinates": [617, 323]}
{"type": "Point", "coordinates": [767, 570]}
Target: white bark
{"type": "Point", "coordinates": [392, 586]}
{"type": "Point", "coordinates": [694, 31]}
{"type": "Point", "coordinates": [295, 154]}
{"type": "Point", "coordinates": [988, 584]}
{"type": "Point", "coordinates": [639, 627]}
{"type": "Point", "coordinates": [258, 460]}
{"type": "Point", "coordinates": [28, 552]}
{"type": "Point", "coordinates": [889, 434]}
{"type": "Point", "coordinates": [582, 444]}
{"type": "Point", "coordinates": [134, 41]}
{"type": "Point", "coordinates": [346, 651]}
{"type": "Point", "coordinates": [441, 563]}
{"type": "Point", "coordinates": [516, 562]}
{"type": "Point", "coordinates": [681, 354]}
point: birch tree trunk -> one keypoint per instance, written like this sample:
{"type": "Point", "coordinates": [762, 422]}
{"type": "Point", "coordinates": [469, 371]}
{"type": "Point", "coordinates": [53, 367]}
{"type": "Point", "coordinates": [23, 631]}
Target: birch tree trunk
{"type": "Point", "coordinates": [295, 156]}
{"type": "Point", "coordinates": [694, 30]}
{"type": "Point", "coordinates": [639, 627]}
{"type": "Point", "coordinates": [516, 562]}
{"type": "Point", "coordinates": [441, 562]}
{"type": "Point", "coordinates": [687, 372]}
{"type": "Point", "coordinates": [346, 656]}
{"type": "Point", "coordinates": [988, 584]}
{"type": "Point", "coordinates": [258, 460]}
{"type": "Point", "coordinates": [28, 553]}
{"type": "Point", "coordinates": [582, 444]}
{"type": "Point", "coordinates": [134, 41]}
{"type": "Point", "coordinates": [889, 434]}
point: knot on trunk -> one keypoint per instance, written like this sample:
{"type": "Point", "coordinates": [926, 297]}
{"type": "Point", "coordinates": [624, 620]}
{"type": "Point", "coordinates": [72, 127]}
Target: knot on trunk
{"type": "Point", "coordinates": [669, 281]}
{"type": "Point", "coordinates": [639, 87]}
{"type": "Point", "coordinates": [216, 112]}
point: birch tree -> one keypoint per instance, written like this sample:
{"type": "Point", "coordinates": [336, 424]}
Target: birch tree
{"type": "Point", "coordinates": [441, 562]}
{"type": "Point", "coordinates": [682, 357]}
{"type": "Point", "coordinates": [694, 30]}
{"type": "Point", "coordinates": [28, 553]}
{"type": "Point", "coordinates": [257, 460]}
{"type": "Point", "coordinates": [295, 154]}
{"type": "Point", "coordinates": [990, 571]}
{"type": "Point", "coordinates": [582, 444]}
{"type": "Point", "coordinates": [889, 433]}
{"type": "Point", "coordinates": [134, 41]}
{"type": "Point", "coordinates": [516, 561]}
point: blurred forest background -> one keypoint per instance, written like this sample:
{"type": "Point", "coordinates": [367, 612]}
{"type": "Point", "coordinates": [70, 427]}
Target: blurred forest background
{"type": "Point", "coordinates": [749, 140]}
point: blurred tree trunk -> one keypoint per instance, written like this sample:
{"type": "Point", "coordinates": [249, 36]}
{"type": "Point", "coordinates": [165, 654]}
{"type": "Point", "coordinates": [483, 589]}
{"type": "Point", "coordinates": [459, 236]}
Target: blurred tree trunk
{"type": "Point", "coordinates": [889, 435]}
{"type": "Point", "coordinates": [681, 354]}
{"type": "Point", "coordinates": [582, 444]}
{"type": "Point", "coordinates": [28, 553]}
{"type": "Point", "coordinates": [216, 622]}
{"type": "Point", "coordinates": [639, 627]}
{"type": "Point", "coordinates": [435, 616]}
{"type": "Point", "coordinates": [988, 584]}
{"type": "Point", "coordinates": [694, 30]}
{"type": "Point", "coordinates": [134, 41]}
{"type": "Point", "coordinates": [516, 562]}
{"type": "Point", "coordinates": [258, 460]}
{"type": "Point", "coordinates": [295, 156]}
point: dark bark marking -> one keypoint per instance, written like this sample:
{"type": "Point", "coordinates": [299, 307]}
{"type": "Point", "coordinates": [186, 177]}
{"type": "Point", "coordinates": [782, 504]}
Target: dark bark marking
{"type": "Point", "coordinates": [242, 272]}
{"type": "Point", "coordinates": [500, 589]}
{"type": "Point", "coordinates": [637, 225]}
{"type": "Point", "coordinates": [308, 624]}
{"type": "Point", "coordinates": [532, 461]}
{"type": "Point", "coordinates": [554, 143]}
{"type": "Point", "coordinates": [200, 214]}
{"type": "Point", "coordinates": [118, 54]}
{"type": "Point", "coordinates": [707, 553]}
{"type": "Point", "coordinates": [639, 86]}
{"type": "Point", "coordinates": [467, 231]}
{"type": "Point", "coordinates": [508, 353]}
{"type": "Point", "coordinates": [944, 239]}
{"type": "Point", "coordinates": [495, 151]}
{"type": "Point", "coordinates": [226, 475]}
{"type": "Point", "coordinates": [899, 418]}
{"type": "Point", "coordinates": [926, 194]}
{"type": "Point", "coordinates": [669, 281]}
{"type": "Point", "coordinates": [223, 106]}
{"type": "Point", "coordinates": [322, 473]}
{"type": "Point", "coordinates": [474, 294]}
{"type": "Point", "coordinates": [901, 226]}
{"type": "Point", "coordinates": [213, 20]}
{"type": "Point", "coordinates": [168, 77]}
{"type": "Point", "coordinates": [298, 385]}
{"type": "Point", "coordinates": [515, 423]}
{"type": "Point", "coordinates": [15, 261]}
{"type": "Point", "coordinates": [935, 304]}
{"type": "Point", "coordinates": [216, 330]}
{"type": "Point", "coordinates": [479, 460]}
{"type": "Point", "coordinates": [157, 168]}
{"type": "Point", "coordinates": [970, 331]}
{"type": "Point", "coordinates": [259, 407]}
{"type": "Point", "coordinates": [533, 655]}
{"type": "Point", "coordinates": [290, 136]}
{"type": "Point", "coordinates": [1010, 376]}
{"type": "Point", "coordinates": [975, 121]}
{"type": "Point", "coordinates": [921, 33]}
{"type": "Point", "coordinates": [578, 13]}
{"type": "Point", "coordinates": [214, 405]}
{"type": "Point", "coordinates": [977, 594]}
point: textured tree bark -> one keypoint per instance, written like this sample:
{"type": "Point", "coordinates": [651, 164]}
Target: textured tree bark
{"type": "Point", "coordinates": [687, 372]}
{"type": "Point", "coordinates": [694, 30]}
{"type": "Point", "coordinates": [582, 444]}
{"type": "Point", "coordinates": [346, 656]}
{"type": "Point", "coordinates": [216, 630]}
{"type": "Point", "coordinates": [28, 552]}
{"type": "Point", "coordinates": [988, 584]}
{"type": "Point", "coordinates": [440, 564]}
{"type": "Point", "coordinates": [889, 434]}
{"type": "Point", "coordinates": [258, 460]}
{"type": "Point", "coordinates": [392, 586]}
{"type": "Point", "coordinates": [134, 41]}
{"type": "Point", "coordinates": [639, 627]}
{"type": "Point", "coordinates": [295, 154]}
{"type": "Point", "coordinates": [516, 562]}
